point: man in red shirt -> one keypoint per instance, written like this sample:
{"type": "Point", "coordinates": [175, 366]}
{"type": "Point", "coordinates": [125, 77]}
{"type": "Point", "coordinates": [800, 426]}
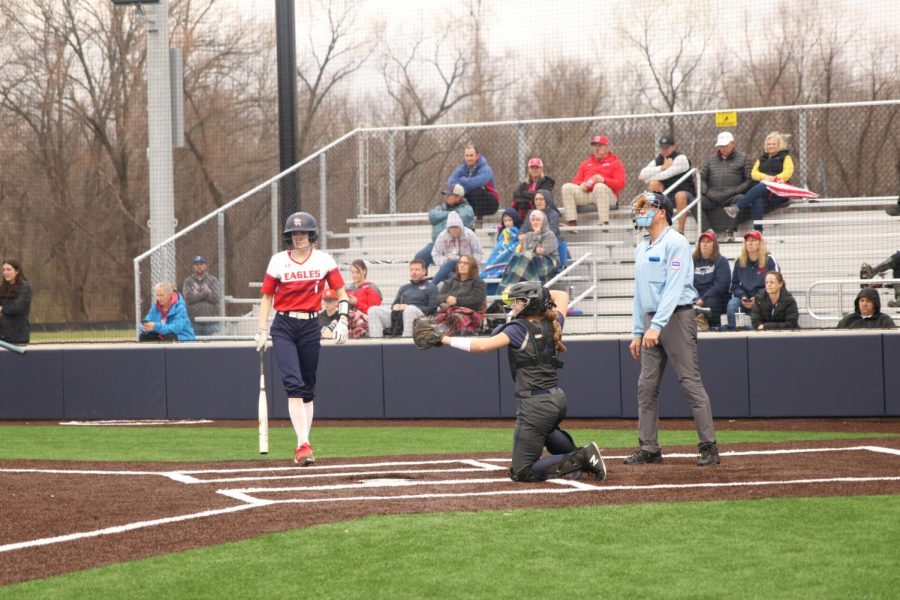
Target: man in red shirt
{"type": "Point", "coordinates": [599, 180]}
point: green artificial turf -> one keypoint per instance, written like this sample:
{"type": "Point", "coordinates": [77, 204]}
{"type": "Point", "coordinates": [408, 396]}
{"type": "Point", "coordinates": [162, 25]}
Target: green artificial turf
{"type": "Point", "coordinates": [843, 547]}
{"type": "Point", "coordinates": [61, 442]}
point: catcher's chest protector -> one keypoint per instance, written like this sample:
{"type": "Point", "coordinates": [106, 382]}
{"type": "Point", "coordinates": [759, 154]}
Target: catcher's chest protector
{"type": "Point", "coordinates": [535, 365]}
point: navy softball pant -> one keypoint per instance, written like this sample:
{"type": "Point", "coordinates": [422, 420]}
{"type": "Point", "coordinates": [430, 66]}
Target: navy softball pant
{"type": "Point", "coordinates": [296, 344]}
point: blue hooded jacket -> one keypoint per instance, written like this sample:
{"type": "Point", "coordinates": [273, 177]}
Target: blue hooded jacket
{"type": "Point", "coordinates": [177, 321]}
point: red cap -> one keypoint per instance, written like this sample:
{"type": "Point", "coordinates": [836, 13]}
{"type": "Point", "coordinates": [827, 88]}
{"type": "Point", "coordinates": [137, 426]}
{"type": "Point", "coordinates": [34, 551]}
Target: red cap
{"type": "Point", "coordinates": [753, 234]}
{"type": "Point", "coordinates": [330, 294]}
{"type": "Point", "coordinates": [709, 233]}
{"type": "Point", "coordinates": [600, 139]}
{"type": "Point", "coordinates": [536, 162]}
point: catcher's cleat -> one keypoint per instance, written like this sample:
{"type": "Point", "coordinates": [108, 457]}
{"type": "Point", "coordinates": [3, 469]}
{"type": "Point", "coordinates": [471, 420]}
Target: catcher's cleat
{"type": "Point", "coordinates": [709, 455]}
{"type": "Point", "coordinates": [303, 455]}
{"type": "Point", "coordinates": [593, 461]}
{"type": "Point", "coordinates": [642, 457]}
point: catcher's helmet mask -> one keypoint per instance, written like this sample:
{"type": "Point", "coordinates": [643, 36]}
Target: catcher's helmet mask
{"type": "Point", "coordinates": [652, 199]}
{"type": "Point", "coordinates": [301, 221]}
{"type": "Point", "coordinates": [536, 296]}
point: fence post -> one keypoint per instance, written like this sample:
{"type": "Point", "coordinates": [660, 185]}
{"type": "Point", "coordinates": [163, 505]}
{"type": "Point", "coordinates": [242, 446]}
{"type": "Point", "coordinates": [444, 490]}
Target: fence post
{"type": "Point", "coordinates": [362, 175]}
{"type": "Point", "coordinates": [276, 232]}
{"type": "Point", "coordinates": [323, 199]}
{"type": "Point", "coordinates": [520, 131]}
{"type": "Point", "coordinates": [220, 259]}
{"type": "Point", "coordinates": [392, 173]}
{"type": "Point", "coordinates": [802, 149]}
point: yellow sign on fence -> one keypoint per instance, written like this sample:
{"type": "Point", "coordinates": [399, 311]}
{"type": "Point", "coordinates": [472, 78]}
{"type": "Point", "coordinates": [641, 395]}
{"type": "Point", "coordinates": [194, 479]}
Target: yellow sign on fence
{"type": "Point", "coordinates": [726, 119]}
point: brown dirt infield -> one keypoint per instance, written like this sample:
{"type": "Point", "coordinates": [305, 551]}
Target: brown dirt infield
{"type": "Point", "coordinates": [44, 505]}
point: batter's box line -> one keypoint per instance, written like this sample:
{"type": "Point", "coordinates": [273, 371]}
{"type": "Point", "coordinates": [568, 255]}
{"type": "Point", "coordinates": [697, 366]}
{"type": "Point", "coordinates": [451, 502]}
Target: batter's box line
{"type": "Point", "coordinates": [247, 495]}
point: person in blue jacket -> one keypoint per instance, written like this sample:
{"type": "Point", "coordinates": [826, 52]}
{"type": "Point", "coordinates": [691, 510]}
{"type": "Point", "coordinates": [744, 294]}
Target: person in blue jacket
{"type": "Point", "coordinates": [749, 276]}
{"type": "Point", "coordinates": [477, 178]}
{"type": "Point", "coordinates": [664, 329]}
{"type": "Point", "coordinates": [167, 320]}
{"type": "Point", "coordinates": [712, 277]}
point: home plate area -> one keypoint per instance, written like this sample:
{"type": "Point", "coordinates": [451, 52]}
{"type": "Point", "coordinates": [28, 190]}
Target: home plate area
{"type": "Point", "coordinates": [60, 517]}
{"type": "Point", "coordinates": [423, 480]}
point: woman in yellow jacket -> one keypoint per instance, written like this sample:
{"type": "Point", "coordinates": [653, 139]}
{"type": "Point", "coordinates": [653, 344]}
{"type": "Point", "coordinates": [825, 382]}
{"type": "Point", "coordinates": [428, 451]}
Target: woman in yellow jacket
{"type": "Point", "coordinates": [774, 164]}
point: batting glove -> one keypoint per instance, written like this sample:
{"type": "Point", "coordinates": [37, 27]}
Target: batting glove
{"type": "Point", "coordinates": [341, 333]}
{"type": "Point", "coordinates": [261, 338]}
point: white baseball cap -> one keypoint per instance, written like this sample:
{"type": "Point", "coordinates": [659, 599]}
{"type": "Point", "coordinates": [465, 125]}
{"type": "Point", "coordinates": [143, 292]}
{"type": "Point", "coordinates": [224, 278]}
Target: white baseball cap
{"type": "Point", "coordinates": [724, 138]}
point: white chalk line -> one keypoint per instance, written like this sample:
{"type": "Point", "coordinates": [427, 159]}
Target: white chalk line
{"type": "Point", "coordinates": [249, 501]}
{"type": "Point", "coordinates": [580, 487]}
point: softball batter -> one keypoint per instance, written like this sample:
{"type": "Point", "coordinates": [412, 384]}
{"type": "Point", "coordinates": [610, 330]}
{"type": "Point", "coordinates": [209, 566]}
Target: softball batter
{"type": "Point", "coordinates": [534, 341]}
{"type": "Point", "coordinates": [296, 279]}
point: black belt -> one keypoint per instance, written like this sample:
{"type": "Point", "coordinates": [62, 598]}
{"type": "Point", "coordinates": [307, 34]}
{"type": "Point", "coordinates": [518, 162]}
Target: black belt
{"type": "Point", "coordinates": [678, 308]}
{"type": "Point", "coordinates": [540, 391]}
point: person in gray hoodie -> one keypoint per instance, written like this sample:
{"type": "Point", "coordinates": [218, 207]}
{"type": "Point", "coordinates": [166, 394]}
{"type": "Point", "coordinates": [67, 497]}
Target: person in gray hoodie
{"type": "Point", "coordinates": [454, 241]}
{"type": "Point", "coordinates": [867, 313]}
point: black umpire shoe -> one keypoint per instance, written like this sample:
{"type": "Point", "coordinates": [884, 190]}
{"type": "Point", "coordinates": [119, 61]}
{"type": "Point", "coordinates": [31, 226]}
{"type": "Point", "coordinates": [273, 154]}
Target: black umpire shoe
{"type": "Point", "coordinates": [593, 461]}
{"type": "Point", "coordinates": [642, 457]}
{"type": "Point", "coordinates": [709, 454]}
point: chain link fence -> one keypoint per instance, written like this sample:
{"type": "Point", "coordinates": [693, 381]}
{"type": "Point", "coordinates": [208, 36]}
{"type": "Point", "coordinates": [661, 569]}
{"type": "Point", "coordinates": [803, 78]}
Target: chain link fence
{"type": "Point", "coordinates": [846, 153]}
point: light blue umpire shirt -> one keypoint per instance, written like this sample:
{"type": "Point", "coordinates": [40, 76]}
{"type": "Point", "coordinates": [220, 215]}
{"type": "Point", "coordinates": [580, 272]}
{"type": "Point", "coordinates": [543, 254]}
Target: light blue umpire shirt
{"type": "Point", "coordinates": [663, 279]}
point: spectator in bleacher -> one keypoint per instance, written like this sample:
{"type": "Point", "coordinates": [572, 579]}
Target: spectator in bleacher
{"type": "Point", "coordinates": [505, 248]}
{"type": "Point", "coordinates": [167, 320]}
{"type": "Point", "coordinates": [15, 303]}
{"type": "Point", "coordinates": [774, 307]}
{"type": "Point", "coordinates": [462, 299]}
{"type": "Point", "coordinates": [455, 241]}
{"type": "Point", "coordinates": [202, 292]}
{"type": "Point", "coordinates": [774, 164]}
{"type": "Point", "coordinates": [477, 178]}
{"type": "Point", "coordinates": [363, 295]}
{"type": "Point", "coordinates": [867, 313]}
{"type": "Point", "coordinates": [413, 300]}
{"type": "Point", "coordinates": [328, 316]}
{"type": "Point", "coordinates": [455, 202]}
{"type": "Point", "coordinates": [725, 178]}
{"type": "Point", "coordinates": [664, 170]}
{"type": "Point", "coordinates": [712, 277]}
{"type": "Point", "coordinates": [523, 197]}
{"type": "Point", "coordinates": [538, 258]}
{"type": "Point", "coordinates": [543, 201]}
{"type": "Point", "coordinates": [599, 181]}
{"type": "Point", "coordinates": [749, 275]}
{"type": "Point", "coordinates": [867, 271]}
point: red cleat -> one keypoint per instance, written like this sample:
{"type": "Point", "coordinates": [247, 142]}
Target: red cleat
{"type": "Point", "coordinates": [303, 455]}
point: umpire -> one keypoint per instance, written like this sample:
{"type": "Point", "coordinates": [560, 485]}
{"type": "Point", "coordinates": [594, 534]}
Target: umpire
{"type": "Point", "coordinates": [664, 326]}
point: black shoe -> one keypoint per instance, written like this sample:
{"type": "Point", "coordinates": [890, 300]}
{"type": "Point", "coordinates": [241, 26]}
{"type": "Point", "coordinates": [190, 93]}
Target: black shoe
{"type": "Point", "coordinates": [709, 455]}
{"type": "Point", "coordinates": [894, 210]}
{"type": "Point", "coordinates": [642, 457]}
{"type": "Point", "coordinates": [593, 461]}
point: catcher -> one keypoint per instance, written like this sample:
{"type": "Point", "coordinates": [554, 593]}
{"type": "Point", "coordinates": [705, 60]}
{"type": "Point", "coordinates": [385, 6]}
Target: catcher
{"type": "Point", "coordinates": [534, 341]}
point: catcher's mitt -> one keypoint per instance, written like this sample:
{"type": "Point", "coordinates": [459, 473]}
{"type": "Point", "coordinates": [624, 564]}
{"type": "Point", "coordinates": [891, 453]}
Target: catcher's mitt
{"type": "Point", "coordinates": [427, 333]}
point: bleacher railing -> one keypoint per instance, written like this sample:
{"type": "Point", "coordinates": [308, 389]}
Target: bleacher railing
{"type": "Point", "coordinates": [402, 170]}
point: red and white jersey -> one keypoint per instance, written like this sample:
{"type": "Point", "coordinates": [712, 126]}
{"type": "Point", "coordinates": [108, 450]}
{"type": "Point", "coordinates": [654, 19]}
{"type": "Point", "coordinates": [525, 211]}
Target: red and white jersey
{"type": "Point", "coordinates": [300, 285]}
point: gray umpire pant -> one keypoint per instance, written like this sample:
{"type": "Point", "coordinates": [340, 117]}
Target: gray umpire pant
{"type": "Point", "coordinates": [678, 342]}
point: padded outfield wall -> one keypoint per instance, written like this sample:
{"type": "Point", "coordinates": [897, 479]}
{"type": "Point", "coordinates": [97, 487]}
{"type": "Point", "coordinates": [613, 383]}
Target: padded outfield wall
{"type": "Point", "coordinates": [799, 374]}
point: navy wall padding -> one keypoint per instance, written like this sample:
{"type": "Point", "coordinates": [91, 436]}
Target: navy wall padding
{"type": "Point", "coordinates": [439, 383]}
{"type": "Point", "coordinates": [348, 383]}
{"type": "Point", "coordinates": [220, 384]}
{"type": "Point", "coordinates": [891, 347]}
{"type": "Point", "coordinates": [591, 378]}
{"type": "Point", "coordinates": [816, 376]}
{"type": "Point", "coordinates": [723, 368]}
{"type": "Point", "coordinates": [32, 385]}
{"type": "Point", "coordinates": [121, 383]}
